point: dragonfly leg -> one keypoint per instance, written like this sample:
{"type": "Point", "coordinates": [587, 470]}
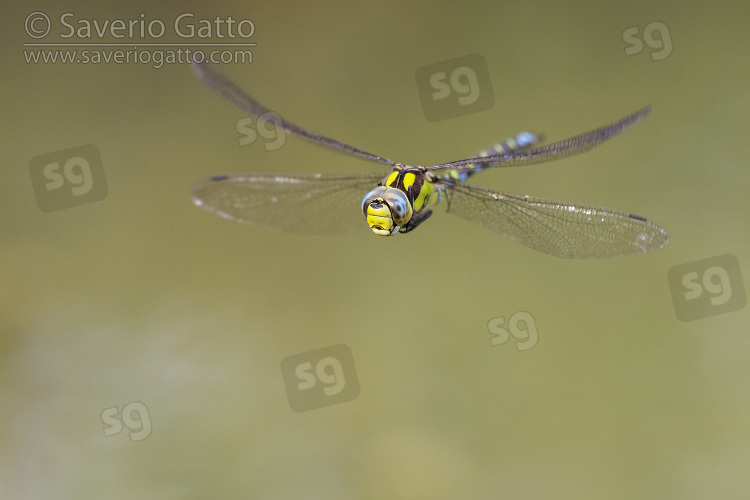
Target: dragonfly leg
{"type": "Point", "coordinates": [416, 220]}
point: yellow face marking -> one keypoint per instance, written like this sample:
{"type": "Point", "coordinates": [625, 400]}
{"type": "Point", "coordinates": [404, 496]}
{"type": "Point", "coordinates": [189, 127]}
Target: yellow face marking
{"type": "Point", "coordinates": [380, 210]}
{"type": "Point", "coordinates": [380, 224]}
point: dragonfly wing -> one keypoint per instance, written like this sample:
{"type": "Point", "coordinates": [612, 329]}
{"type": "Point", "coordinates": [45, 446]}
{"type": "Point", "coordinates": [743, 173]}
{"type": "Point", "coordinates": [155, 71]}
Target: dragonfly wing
{"type": "Point", "coordinates": [314, 203]}
{"type": "Point", "coordinates": [232, 93]}
{"type": "Point", "coordinates": [554, 227]}
{"type": "Point", "coordinates": [567, 147]}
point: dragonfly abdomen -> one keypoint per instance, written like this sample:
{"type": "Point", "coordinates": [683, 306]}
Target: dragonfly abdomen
{"type": "Point", "coordinates": [522, 141]}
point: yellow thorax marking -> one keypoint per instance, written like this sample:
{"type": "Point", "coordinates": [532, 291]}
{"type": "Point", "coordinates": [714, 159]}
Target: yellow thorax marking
{"type": "Point", "coordinates": [424, 196]}
{"type": "Point", "coordinates": [392, 178]}
{"type": "Point", "coordinates": [408, 180]}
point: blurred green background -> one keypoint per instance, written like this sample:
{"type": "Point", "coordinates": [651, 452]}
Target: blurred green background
{"type": "Point", "coordinates": [142, 297]}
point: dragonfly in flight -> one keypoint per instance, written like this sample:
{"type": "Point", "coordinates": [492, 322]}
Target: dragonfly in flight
{"type": "Point", "coordinates": [400, 200]}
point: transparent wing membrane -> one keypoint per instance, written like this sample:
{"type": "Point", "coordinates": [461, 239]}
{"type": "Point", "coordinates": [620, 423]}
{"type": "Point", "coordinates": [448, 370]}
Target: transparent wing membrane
{"type": "Point", "coordinates": [569, 230]}
{"type": "Point", "coordinates": [297, 203]}
{"type": "Point", "coordinates": [319, 203]}
{"type": "Point", "coordinates": [232, 93]}
{"type": "Point", "coordinates": [567, 147]}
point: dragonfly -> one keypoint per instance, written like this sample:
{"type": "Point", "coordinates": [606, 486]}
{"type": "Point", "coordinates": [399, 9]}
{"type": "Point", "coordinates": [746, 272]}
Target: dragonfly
{"type": "Point", "coordinates": [403, 198]}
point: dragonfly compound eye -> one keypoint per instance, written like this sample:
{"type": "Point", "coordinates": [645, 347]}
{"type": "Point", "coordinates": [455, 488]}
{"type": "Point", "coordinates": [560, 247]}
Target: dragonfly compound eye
{"type": "Point", "coordinates": [386, 209]}
{"type": "Point", "coordinates": [400, 206]}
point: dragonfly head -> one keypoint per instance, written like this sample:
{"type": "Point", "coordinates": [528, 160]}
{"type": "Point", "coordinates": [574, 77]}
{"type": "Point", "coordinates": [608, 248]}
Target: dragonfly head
{"type": "Point", "coordinates": [386, 209]}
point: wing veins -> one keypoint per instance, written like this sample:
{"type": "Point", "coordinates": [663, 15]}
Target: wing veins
{"type": "Point", "coordinates": [555, 227]}
{"type": "Point", "coordinates": [566, 147]}
{"type": "Point", "coordinates": [235, 95]}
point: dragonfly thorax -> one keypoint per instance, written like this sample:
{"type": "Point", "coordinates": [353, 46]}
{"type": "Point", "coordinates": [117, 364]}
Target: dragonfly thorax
{"type": "Point", "coordinates": [386, 210]}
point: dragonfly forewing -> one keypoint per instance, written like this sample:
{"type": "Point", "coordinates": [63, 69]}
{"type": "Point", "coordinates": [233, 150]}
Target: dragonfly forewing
{"type": "Point", "coordinates": [232, 93]}
{"type": "Point", "coordinates": [567, 147]}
